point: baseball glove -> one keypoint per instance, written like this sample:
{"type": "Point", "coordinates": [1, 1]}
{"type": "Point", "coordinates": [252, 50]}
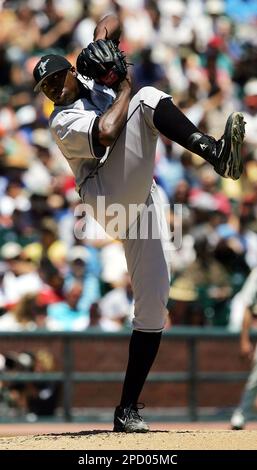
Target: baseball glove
{"type": "Point", "coordinates": [102, 60]}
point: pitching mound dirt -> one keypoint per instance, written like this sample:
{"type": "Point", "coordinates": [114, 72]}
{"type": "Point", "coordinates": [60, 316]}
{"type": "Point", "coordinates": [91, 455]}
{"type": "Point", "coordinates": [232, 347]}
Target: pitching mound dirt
{"type": "Point", "coordinates": [154, 440]}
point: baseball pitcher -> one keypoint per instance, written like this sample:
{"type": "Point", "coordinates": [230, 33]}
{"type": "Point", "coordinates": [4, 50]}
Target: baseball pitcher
{"type": "Point", "coordinates": [109, 141]}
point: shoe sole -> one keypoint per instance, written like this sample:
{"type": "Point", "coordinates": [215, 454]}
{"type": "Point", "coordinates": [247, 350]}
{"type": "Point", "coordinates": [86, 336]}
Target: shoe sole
{"type": "Point", "coordinates": [235, 127]}
{"type": "Point", "coordinates": [118, 428]}
{"type": "Point", "coordinates": [130, 431]}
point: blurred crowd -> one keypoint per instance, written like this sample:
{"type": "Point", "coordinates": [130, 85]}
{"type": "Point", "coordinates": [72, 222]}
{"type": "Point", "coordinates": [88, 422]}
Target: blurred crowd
{"type": "Point", "coordinates": [202, 52]}
{"type": "Point", "coordinates": [29, 399]}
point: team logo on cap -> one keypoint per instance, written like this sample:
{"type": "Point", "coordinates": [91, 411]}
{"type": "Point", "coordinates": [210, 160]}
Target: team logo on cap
{"type": "Point", "coordinates": [42, 67]}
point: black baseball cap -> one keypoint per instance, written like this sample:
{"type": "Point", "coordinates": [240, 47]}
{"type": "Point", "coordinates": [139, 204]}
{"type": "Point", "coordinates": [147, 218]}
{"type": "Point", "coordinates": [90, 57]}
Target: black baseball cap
{"type": "Point", "coordinates": [47, 65]}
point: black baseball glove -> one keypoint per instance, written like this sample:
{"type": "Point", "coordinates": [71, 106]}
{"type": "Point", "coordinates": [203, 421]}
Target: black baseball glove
{"type": "Point", "coordinates": [102, 60]}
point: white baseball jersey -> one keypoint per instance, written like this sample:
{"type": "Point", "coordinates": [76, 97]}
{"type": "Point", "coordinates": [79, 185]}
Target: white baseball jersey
{"type": "Point", "coordinates": [125, 177]}
{"type": "Point", "coordinates": [71, 127]}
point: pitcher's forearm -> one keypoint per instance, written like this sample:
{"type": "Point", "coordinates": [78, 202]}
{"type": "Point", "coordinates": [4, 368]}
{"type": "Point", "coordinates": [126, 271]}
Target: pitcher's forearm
{"type": "Point", "coordinates": [112, 122]}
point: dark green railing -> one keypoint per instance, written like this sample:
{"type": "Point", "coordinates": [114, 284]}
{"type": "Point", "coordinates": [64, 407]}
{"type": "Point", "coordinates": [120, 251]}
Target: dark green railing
{"type": "Point", "coordinates": [192, 335]}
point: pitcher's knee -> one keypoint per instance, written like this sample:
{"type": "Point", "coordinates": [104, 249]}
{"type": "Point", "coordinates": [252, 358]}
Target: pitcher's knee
{"type": "Point", "coordinates": [151, 322]}
{"type": "Point", "coordinates": [150, 313]}
{"type": "Point", "coordinates": [151, 96]}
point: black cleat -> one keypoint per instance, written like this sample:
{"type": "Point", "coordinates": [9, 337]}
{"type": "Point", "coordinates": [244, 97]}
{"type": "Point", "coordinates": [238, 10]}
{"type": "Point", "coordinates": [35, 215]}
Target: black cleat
{"type": "Point", "coordinates": [228, 162]}
{"type": "Point", "coordinates": [128, 420]}
{"type": "Point", "coordinates": [224, 154]}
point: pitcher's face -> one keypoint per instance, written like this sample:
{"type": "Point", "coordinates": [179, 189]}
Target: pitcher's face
{"type": "Point", "coordinates": [61, 87]}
